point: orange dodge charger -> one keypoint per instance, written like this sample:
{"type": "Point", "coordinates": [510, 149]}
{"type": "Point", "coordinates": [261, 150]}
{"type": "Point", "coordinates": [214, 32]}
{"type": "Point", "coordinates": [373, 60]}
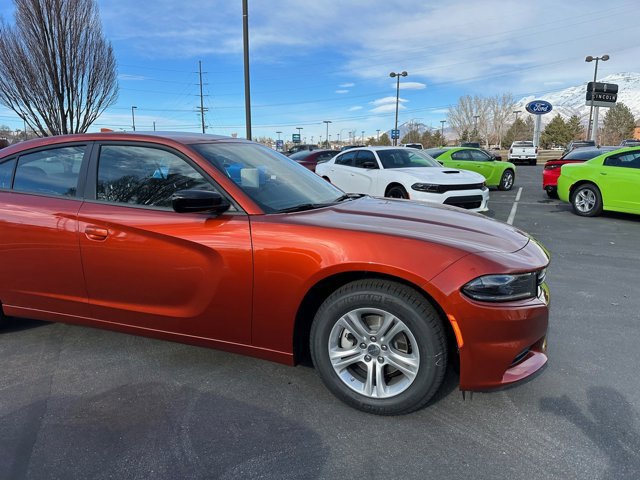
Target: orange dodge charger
{"type": "Point", "coordinates": [225, 243]}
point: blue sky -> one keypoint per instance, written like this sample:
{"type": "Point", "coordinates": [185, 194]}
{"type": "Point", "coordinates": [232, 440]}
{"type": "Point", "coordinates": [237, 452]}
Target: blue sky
{"type": "Point", "coordinates": [330, 59]}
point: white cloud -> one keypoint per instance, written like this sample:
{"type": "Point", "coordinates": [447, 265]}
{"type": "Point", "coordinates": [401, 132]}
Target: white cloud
{"type": "Point", "coordinates": [347, 85]}
{"type": "Point", "coordinates": [355, 109]}
{"type": "Point", "coordinates": [411, 86]}
{"type": "Point", "coordinates": [342, 91]}
{"type": "Point", "coordinates": [387, 100]}
{"type": "Point", "coordinates": [126, 76]}
{"type": "Point", "coordinates": [387, 108]}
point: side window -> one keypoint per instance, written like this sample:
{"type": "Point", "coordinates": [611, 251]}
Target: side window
{"type": "Point", "coordinates": [625, 160]}
{"type": "Point", "coordinates": [144, 176]}
{"type": "Point", "coordinates": [479, 156]}
{"type": "Point", "coordinates": [6, 171]}
{"type": "Point", "coordinates": [51, 172]}
{"type": "Point", "coordinates": [461, 155]}
{"type": "Point", "coordinates": [365, 156]}
{"type": "Point", "coordinates": [346, 159]}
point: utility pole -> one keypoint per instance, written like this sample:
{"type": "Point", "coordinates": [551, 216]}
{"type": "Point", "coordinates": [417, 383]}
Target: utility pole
{"type": "Point", "coordinates": [202, 109]}
{"type": "Point", "coordinates": [247, 83]}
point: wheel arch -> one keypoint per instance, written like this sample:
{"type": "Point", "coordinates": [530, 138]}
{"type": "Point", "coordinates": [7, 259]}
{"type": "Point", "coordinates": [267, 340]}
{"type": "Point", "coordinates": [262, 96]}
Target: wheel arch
{"type": "Point", "coordinates": [325, 287]}
{"type": "Point", "coordinates": [394, 184]}
{"type": "Point", "coordinates": [579, 183]}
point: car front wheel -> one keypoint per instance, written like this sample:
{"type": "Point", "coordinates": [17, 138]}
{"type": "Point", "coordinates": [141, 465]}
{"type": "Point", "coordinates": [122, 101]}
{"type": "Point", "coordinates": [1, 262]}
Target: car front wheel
{"type": "Point", "coordinates": [587, 200]}
{"type": "Point", "coordinates": [379, 346]}
{"type": "Point", "coordinates": [397, 192]}
{"type": "Point", "coordinates": [507, 180]}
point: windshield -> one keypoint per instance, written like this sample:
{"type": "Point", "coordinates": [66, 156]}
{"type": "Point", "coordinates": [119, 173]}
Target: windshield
{"type": "Point", "coordinates": [405, 158]}
{"type": "Point", "coordinates": [273, 181]}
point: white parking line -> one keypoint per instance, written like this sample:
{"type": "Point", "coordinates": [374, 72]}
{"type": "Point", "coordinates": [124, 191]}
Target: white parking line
{"type": "Point", "coordinates": [514, 209]}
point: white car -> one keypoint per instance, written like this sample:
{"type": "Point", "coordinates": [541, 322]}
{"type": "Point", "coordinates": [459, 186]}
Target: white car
{"type": "Point", "coordinates": [399, 172]}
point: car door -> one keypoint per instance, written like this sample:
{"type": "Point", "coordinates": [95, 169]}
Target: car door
{"type": "Point", "coordinates": [365, 174]}
{"type": "Point", "coordinates": [619, 181]}
{"type": "Point", "coordinates": [481, 163]}
{"type": "Point", "coordinates": [151, 268]}
{"type": "Point", "coordinates": [462, 159]}
{"type": "Point", "coordinates": [340, 170]}
{"type": "Point", "coordinates": [41, 269]}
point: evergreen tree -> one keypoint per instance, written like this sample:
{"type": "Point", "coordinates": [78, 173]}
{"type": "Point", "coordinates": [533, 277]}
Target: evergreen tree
{"type": "Point", "coordinates": [575, 128]}
{"type": "Point", "coordinates": [556, 133]}
{"type": "Point", "coordinates": [426, 139]}
{"type": "Point", "coordinates": [618, 124]}
{"type": "Point", "coordinates": [384, 140]}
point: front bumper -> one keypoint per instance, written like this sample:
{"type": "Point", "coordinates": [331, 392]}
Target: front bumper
{"type": "Point", "coordinates": [499, 343]}
{"type": "Point", "coordinates": [476, 200]}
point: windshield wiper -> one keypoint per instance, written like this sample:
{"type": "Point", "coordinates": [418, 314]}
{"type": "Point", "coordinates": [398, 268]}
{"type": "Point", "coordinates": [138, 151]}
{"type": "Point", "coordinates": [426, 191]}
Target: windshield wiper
{"type": "Point", "coordinates": [304, 206]}
{"type": "Point", "coordinates": [312, 206]}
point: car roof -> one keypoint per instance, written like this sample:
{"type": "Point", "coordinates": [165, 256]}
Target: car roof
{"type": "Point", "coordinates": [185, 138]}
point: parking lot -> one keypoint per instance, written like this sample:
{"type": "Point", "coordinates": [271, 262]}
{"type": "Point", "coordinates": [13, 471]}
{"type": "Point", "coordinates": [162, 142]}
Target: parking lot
{"type": "Point", "coordinates": [78, 402]}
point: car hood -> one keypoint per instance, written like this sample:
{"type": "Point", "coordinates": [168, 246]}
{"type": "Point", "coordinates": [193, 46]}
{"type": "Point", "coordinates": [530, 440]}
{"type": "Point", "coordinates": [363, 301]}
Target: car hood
{"type": "Point", "coordinates": [442, 224]}
{"type": "Point", "coordinates": [441, 176]}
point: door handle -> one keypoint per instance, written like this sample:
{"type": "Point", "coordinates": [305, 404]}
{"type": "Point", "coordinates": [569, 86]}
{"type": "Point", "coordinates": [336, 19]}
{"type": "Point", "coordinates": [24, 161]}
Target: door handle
{"type": "Point", "coordinates": [96, 233]}
{"type": "Point", "coordinates": [602, 173]}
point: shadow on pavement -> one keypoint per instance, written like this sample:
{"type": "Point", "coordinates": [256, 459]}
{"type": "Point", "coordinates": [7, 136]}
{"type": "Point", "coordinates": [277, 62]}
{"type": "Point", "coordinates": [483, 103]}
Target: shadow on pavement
{"type": "Point", "coordinates": [610, 423]}
{"type": "Point", "coordinates": [152, 430]}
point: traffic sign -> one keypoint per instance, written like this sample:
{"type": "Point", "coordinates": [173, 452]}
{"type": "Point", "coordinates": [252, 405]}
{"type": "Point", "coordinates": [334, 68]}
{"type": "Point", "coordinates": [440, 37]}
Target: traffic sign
{"type": "Point", "coordinates": [279, 145]}
{"type": "Point", "coordinates": [295, 137]}
{"type": "Point", "coordinates": [395, 134]}
{"type": "Point", "coordinates": [602, 87]}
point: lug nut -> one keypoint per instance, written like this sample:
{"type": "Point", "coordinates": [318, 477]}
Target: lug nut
{"type": "Point", "coordinates": [363, 345]}
{"type": "Point", "coordinates": [373, 339]}
{"type": "Point", "coordinates": [384, 347]}
{"type": "Point", "coordinates": [367, 358]}
{"type": "Point", "coordinates": [381, 359]}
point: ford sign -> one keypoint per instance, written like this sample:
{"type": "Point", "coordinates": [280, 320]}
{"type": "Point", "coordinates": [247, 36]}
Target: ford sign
{"type": "Point", "coordinates": [539, 107]}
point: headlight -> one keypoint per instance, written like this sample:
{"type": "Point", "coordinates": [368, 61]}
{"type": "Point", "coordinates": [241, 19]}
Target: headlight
{"type": "Point", "coordinates": [426, 187]}
{"type": "Point", "coordinates": [504, 288]}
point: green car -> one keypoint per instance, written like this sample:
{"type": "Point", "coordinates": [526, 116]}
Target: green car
{"type": "Point", "coordinates": [610, 181]}
{"type": "Point", "coordinates": [498, 174]}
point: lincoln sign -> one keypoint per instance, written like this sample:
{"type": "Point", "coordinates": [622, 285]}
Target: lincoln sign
{"type": "Point", "coordinates": [539, 107]}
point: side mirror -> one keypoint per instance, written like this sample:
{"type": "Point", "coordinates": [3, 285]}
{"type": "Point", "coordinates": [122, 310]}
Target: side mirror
{"type": "Point", "coordinates": [191, 201]}
{"type": "Point", "coordinates": [370, 165]}
{"type": "Point", "coordinates": [441, 163]}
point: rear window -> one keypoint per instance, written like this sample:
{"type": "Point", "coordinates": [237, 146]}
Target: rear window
{"type": "Point", "coordinates": [435, 152]}
{"type": "Point", "coordinates": [583, 154]}
{"type": "Point", "coordinates": [523, 144]}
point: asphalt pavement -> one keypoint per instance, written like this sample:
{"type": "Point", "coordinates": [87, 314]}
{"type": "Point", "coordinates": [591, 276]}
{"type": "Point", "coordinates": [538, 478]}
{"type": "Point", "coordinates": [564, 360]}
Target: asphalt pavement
{"type": "Point", "coordinates": [80, 403]}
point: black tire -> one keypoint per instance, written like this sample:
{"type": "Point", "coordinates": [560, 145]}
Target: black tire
{"type": "Point", "coordinates": [507, 180]}
{"type": "Point", "coordinates": [351, 321]}
{"type": "Point", "coordinates": [586, 200]}
{"type": "Point", "coordinates": [551, 192]}
{"type": "Point", "coordinates": [397, 191]}
{"type": "Point", "coordinates": [3, 318]}
{"type": "Point", "coordinates": [533, 162]}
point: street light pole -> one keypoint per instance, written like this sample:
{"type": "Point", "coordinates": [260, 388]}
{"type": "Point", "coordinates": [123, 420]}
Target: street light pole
{"type": "Point", "coordinates": [247, 82]}
{"type": "Point", "coordinates": [133, 117]}
{"type": "Point", "coordinates": [327, 122]}
{"type": "Point", "coordinates": [397, 75]}
{"type": "Point", "coordinates": [363, 137]}
{"type": "Point", "coordinates": [442, 122]}
{"type": "Point", "coordinates": [278, 135]}
{"type": "Point", "coordinates": [592, 130]}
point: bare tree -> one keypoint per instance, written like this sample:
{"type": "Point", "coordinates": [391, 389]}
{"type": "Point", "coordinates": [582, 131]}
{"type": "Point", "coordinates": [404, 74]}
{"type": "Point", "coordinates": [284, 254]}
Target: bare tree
{"type": "Point", "coordinates": [460, 116]}
{"type": "Point", "coordinates": [501, 108]}
{"type": "Point", "coordinates": [57, 71]}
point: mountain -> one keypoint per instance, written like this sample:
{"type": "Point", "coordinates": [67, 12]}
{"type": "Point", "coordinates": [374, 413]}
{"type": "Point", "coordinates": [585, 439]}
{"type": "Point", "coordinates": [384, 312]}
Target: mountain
{"type": "Point", "coordinates": [571, 100]}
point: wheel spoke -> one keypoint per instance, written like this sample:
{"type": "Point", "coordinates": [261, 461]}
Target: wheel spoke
{"type": "Point", "coordinates": [369, 385]}
{"type": "Point", "coordinates": [341, 358]}
{"type": "Point", "coordinates": [351, 321]}
{"type": "Point", "coordinates": [407, 364]}
{"type": "Point", "coordinates": [391, 334]}
{"type": "Point", "coordinates": [387, 320]}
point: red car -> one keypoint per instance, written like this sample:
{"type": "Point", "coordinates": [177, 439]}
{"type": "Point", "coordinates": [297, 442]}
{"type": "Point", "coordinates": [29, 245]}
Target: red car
{"type": "Point", "coordinates": [310, 159]}
{"type": "Point", "coordinates": [551, 170]}
{"type": "Point", "coordinates": [225, 243]}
